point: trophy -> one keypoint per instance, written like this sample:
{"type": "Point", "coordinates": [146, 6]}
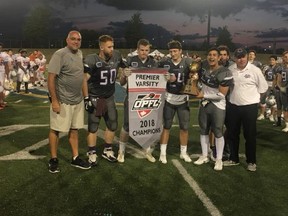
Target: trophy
{"type": "Point", "coordinates": [191, 87]}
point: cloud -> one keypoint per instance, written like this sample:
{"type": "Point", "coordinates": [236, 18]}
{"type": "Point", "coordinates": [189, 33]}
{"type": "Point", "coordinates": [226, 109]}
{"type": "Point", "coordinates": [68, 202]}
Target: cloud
{"type": "Point", "coordinates": [273, 33]}
{"type": "Point", "coordinates": [222, 8]}
{"type": "Point", "coordinates": [192, 8]}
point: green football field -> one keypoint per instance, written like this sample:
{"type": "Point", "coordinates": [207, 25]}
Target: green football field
{"type": "Point", "coordinates": [136, 187]}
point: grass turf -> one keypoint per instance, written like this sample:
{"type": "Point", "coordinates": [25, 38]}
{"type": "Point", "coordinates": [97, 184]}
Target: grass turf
{"type": "Point", "coordinates": [136, 187]}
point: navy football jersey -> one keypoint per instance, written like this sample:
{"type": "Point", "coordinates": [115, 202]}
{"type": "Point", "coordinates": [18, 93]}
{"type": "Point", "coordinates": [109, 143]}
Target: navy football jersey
{"type": "Point", "coordinates": [135, 62]}
{"type": "Point", "coordinates": [268, 73]}
{"type": "Point", "coordinates": [221, 76]}
{"type": "Point", "coordinates": [103, 74]}
{"type": "Point", "coordinates": [283, 70]}
{"type": "Point", "coordinates": [181, 72]}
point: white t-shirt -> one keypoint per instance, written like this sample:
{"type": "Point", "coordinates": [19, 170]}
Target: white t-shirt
{"type": "Point", "coordinates": [249, 83]}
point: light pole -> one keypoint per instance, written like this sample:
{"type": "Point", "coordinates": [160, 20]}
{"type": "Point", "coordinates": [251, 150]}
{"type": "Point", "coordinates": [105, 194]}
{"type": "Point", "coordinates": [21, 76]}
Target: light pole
{"type": "Point", "coordinates": [208, 26]}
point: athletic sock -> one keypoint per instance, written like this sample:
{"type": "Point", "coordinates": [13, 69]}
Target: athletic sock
{"type": "Point", "coordinates": [183, 149]}
{"type": "Point", "coordinates": [204, 139]}
{"type": "Point", "coordinates": [219, 142]}
{"type": "Point", "coordinates": [163, 148]}
{"type": "Point", "coordinates": [91, 148]}
{"type": "Point", "coordinates": [107, 147]}
{"type": "Point", "coordinates": [122, 146]}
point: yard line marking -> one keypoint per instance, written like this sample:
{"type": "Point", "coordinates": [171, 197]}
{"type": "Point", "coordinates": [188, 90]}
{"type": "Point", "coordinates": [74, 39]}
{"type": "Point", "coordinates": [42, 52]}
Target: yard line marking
{"type": "Point", "coordinates": [6, 130]}
{"type": "Point", "coordinates": [24, 154]}
{"type": "Point", "coordinates": [176, 125]}
{"type": "Point", "coordinates": [18, 101]}
{"type": "Point", "coordinates": [131, 149]}
{"type": "Point", "coordinates": [211, 208]}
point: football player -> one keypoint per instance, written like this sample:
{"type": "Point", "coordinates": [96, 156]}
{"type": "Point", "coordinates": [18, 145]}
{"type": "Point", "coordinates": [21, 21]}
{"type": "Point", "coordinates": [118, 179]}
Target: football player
{"type": "Point", "coordinates": [216, 81]}
{"type": "Point", "coordinates": [282, 83]}
{"type": "Point", "coordinates": [41, 62]}
{"type": "Point", "coordinates": [23, 64]}
{"type": "Point", "coordinates": [142, 60]}
{"type": "Point", "coordinates": [4, 71]}
{"type": "Point", "coordinates": [175, 101]}
{"type": "Point", "coordinates": [269, 75]}
{"type": "Point", "coordinates": [101, 72]}
{"type": "Point", "coordinates": [252, 57]}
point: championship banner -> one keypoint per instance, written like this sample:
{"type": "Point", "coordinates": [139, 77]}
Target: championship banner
{"type": "Point", "coordinates": [146, 88]}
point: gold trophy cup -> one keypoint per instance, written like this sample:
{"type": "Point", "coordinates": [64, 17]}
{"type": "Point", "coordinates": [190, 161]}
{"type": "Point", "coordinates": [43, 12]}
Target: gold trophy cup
{"type": "Point", "coordinates": [191, 86]}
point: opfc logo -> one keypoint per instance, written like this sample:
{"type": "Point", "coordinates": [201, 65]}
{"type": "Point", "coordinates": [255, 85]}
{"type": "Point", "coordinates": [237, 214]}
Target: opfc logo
{"type": "Point", "coordinates": [145, 103]}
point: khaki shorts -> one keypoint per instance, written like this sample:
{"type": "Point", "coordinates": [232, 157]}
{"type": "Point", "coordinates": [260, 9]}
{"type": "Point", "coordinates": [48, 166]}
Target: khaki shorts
{"type": "Point", "coordinates": [70, 117]}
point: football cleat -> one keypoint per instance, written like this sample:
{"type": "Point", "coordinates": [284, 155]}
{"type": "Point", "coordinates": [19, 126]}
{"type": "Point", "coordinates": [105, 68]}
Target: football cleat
{"type": "Point", "coordinates": [163, 159]}
{"type": "Point", "coordinates": [185, 157]}
{"type": "Point", "coordinates": [218, 165]}
{"type": "Point", "coordinates": [109, 155]}
{"type": "Point", "coordinates": [121, 157]}
{"type": "Point", "coordinates": [201, 160]}
{"type": "Point", "coordinates": [92, 158]}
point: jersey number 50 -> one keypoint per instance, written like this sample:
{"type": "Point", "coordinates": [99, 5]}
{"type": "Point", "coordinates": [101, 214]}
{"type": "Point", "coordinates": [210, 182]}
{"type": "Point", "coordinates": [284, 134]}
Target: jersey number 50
{"type": "Point", "coordinates": [108, 77]}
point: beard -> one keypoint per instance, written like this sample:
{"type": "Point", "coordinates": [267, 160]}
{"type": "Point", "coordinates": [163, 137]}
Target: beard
{"type": "Point", "coordinates": [107, 56]}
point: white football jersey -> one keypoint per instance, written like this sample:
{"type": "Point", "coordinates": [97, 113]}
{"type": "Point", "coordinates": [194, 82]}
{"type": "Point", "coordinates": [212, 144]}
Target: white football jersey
{"type": "Point", "coordinates": [3, 60]}
{"type": "Point", "coordinates": [25, 61]}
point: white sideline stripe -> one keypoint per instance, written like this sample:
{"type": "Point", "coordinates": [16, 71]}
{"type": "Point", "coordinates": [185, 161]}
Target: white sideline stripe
{"type": "Point", "coordinates": [211, 208]}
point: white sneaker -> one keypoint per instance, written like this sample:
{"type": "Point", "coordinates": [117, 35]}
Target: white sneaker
{"type": "Point", "coordinates": [163, 159]}
{"type": "Point", "coordinates": [271, 118]}
{"type": "Point", "coordinates": [121, 157]}
{"type": "Point", "coordinates": [285, 129]}
{"type": "Point", "coordinates": [201, 160]}
{"type": "Point", "coordinates": [150, 157]}
{"type": "Point", "coordinates": [218, 165]}
{"type": "Point", "coordinates": [251, 167]}
{"type": "Point", "coordinates": [261, 117]}
{"type": "Point", "coordinates": [185, 157]}
{"type": "Point", "coordinates": [92, 158]}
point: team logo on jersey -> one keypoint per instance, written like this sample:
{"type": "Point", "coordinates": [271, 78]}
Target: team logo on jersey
{"type": "Point", "coordinates": [166, 66]}
{"type": "Point", "coordinates": [134, 64]}
{"type": "Point", "coordinates": [145, 103]}
{"type": "Point", "coordinates": [98, 64]}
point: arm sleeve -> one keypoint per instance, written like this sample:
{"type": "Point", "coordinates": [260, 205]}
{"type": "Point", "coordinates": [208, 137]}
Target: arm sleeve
{"type": "Point", "coordinates": [214, 97]}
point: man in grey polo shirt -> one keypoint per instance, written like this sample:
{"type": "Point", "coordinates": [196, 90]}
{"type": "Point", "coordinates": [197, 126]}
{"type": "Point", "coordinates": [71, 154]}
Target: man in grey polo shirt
{"type": "Point", "coordinates": [242, 109]}
{"type": "Point", "coordinates": [65, 83]}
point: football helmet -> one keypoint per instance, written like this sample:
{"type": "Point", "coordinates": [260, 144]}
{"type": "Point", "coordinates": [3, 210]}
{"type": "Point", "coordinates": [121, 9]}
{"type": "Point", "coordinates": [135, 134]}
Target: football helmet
{"type": "Point", "coordinates": [13, 73]}
{"type": "Point", "coordinates": [270, 100]}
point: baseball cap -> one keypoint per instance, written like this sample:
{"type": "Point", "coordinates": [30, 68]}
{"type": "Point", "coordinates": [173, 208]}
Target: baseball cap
{"type": "Point", "coordinates": [240, 53]}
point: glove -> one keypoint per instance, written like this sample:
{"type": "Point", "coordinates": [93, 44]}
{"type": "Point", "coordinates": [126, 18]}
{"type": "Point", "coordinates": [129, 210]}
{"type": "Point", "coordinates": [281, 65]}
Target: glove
{"type": "Point", "coordinates": [167, 76]}
{"type": "Point", "coordinates": [88, 105]}
{"type": "Point", "coordinates": [204, 102]}
{"type": "Point", "coordinates": [127, 72]}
